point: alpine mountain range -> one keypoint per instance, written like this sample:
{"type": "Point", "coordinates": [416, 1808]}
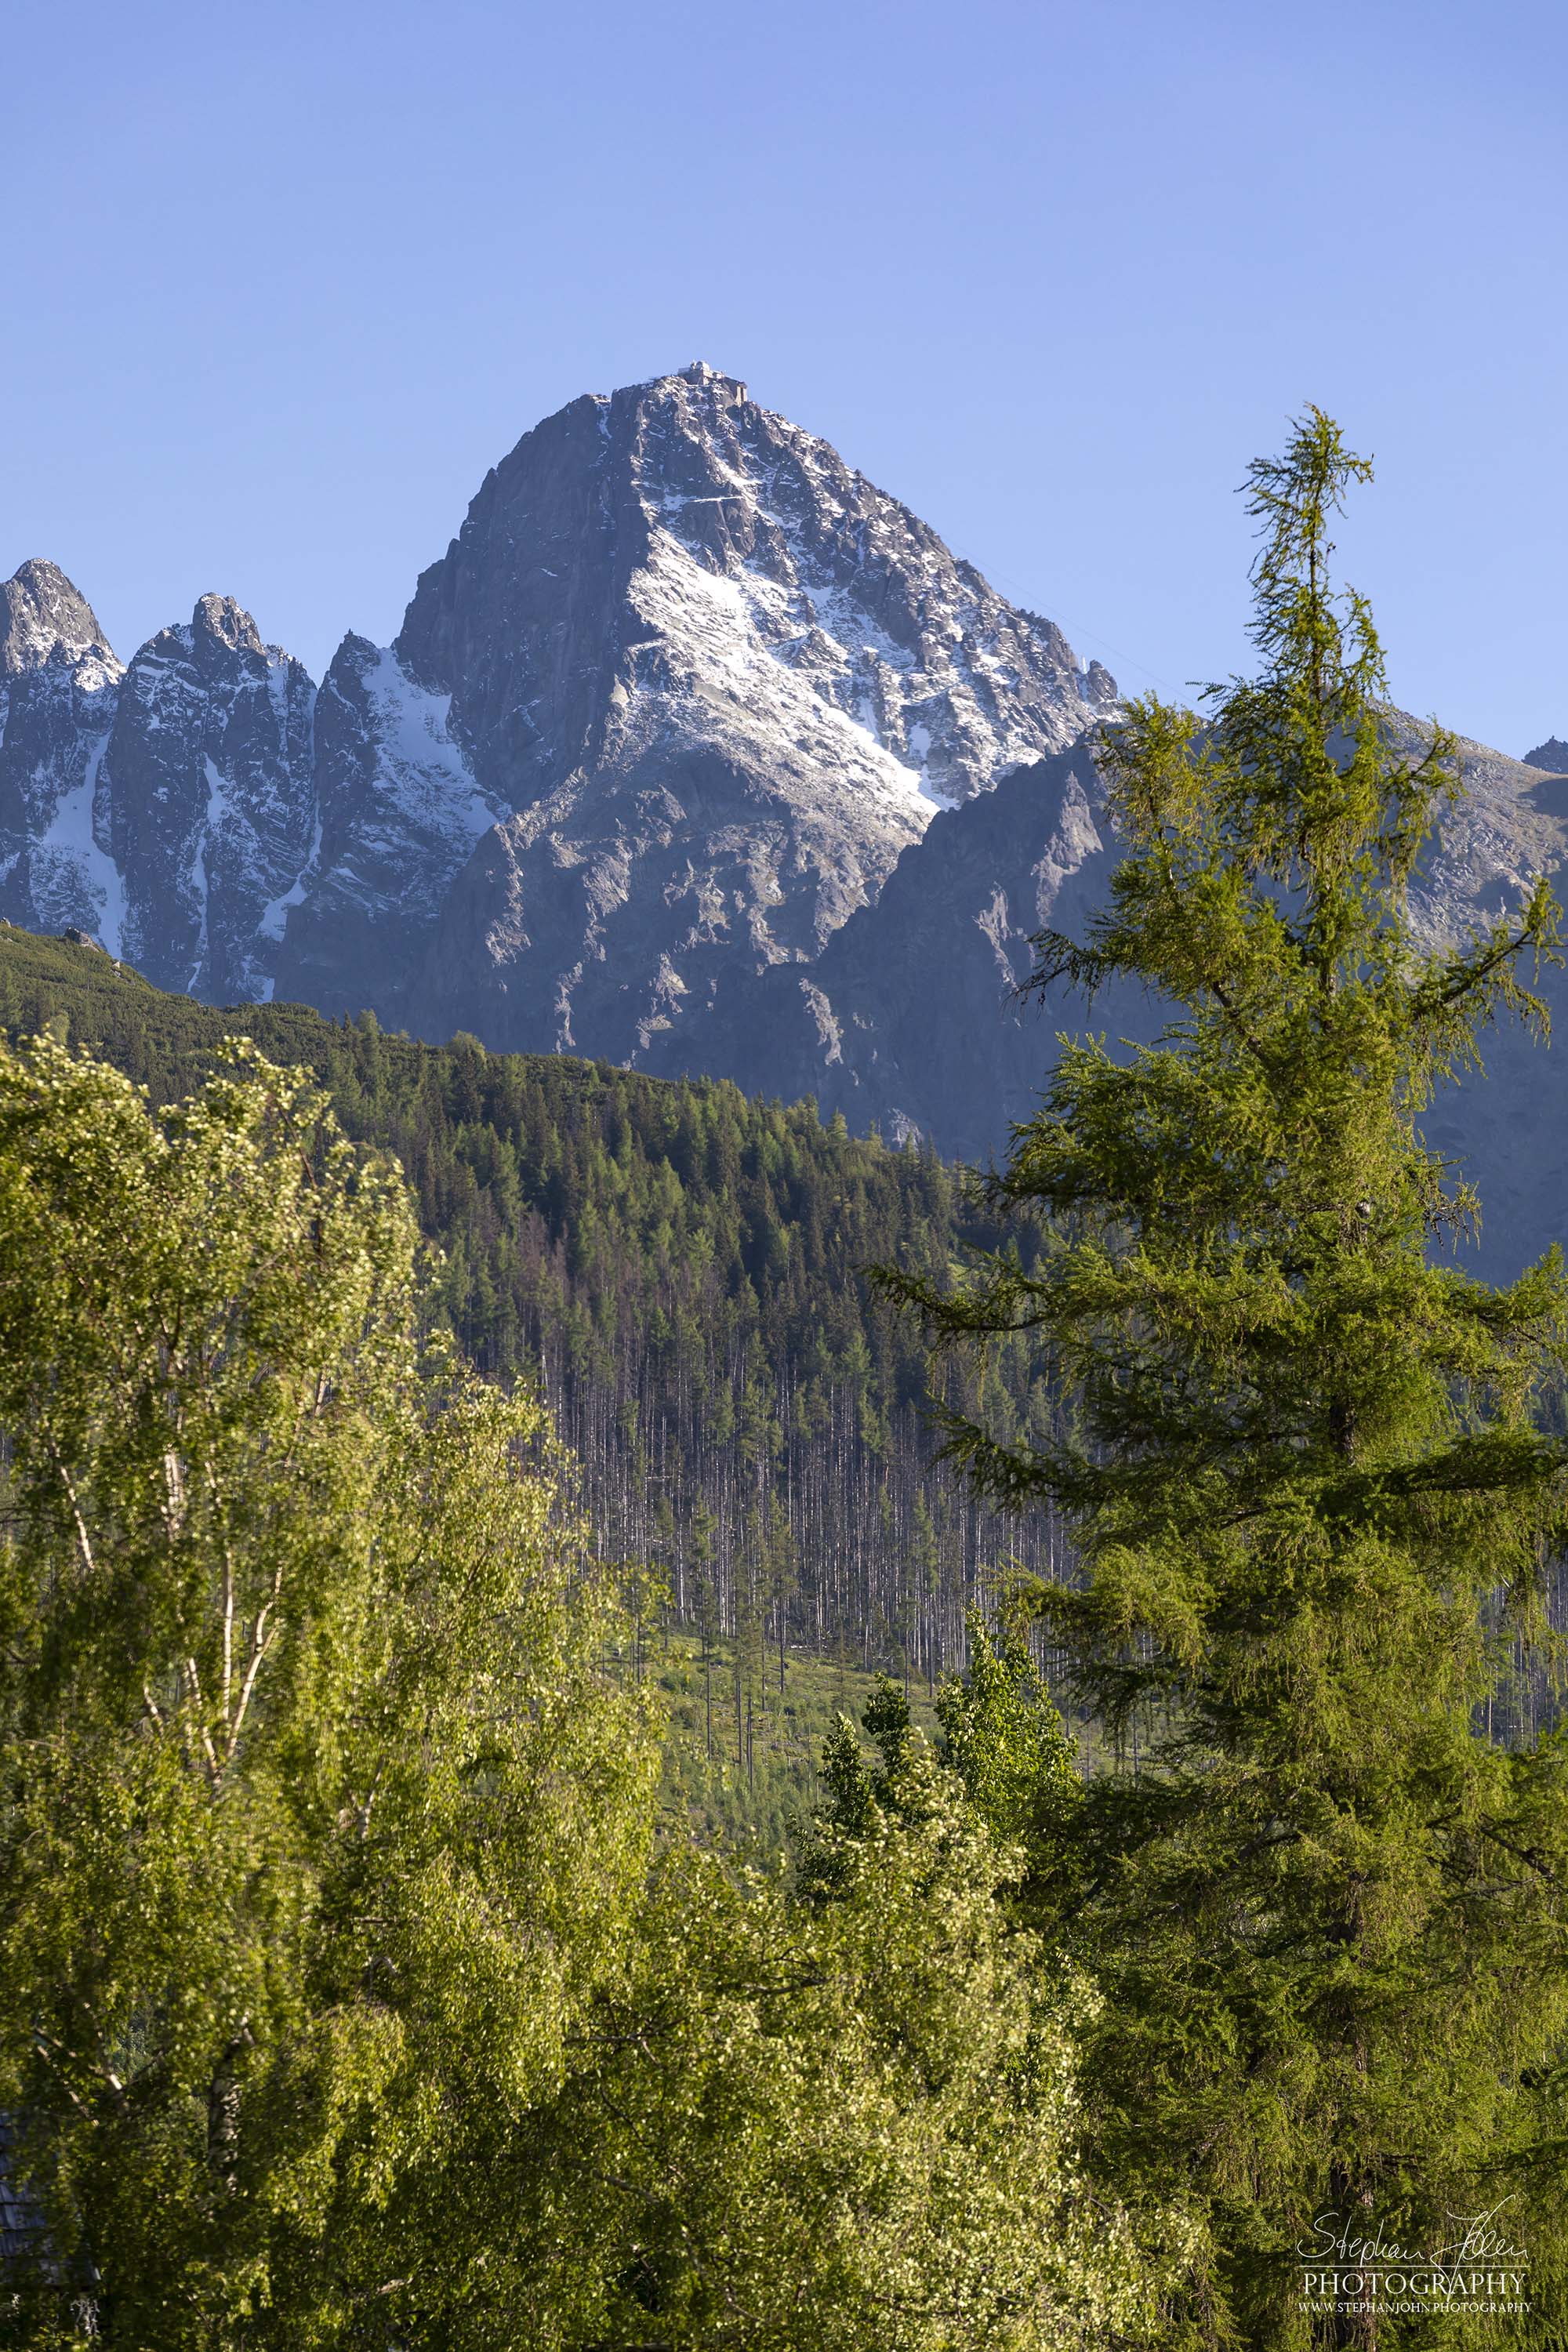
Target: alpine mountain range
{"type": "Point", "coordinates": [695, 751]}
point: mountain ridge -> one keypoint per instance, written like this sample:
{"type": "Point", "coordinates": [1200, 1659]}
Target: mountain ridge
{"type": "Point", "coordinates": [691, 682]}
{"type": "Point", "coordinates": [695, 751]}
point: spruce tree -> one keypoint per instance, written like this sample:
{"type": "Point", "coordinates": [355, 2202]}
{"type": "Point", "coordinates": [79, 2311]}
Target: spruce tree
{"type": "Point", "coordinates": [1312, 1506]}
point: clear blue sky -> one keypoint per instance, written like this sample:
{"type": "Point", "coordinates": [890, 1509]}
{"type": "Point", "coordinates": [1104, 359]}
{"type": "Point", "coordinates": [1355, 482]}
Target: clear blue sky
{"type": "Point", "coordinates": [280, 282]}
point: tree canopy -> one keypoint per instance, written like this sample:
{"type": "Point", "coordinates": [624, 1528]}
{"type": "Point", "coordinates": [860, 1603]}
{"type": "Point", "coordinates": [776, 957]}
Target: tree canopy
{"type": "Point", "coordinates": [682, 1272]}
{"type": "Point", "coordinates": [301, 1735]}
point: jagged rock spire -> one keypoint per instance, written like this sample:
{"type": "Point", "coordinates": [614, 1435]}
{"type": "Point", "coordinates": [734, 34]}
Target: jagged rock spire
{"type": "Point", "coordinates": [42, 615]}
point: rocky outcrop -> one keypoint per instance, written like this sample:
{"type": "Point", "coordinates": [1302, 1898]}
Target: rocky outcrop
{"type": "Point", "coordinates": [910, 1019]}
{"type": "Point", "coordinates": [45, 620]}
{"type": "Point", "coordinates": [211, 802]}
{"type": "Point", "coordinates": [58, 690]}
{"type": "Point", "coordinates": [397, 814]}
{"type": "Point", "coordinates": [161, 808]}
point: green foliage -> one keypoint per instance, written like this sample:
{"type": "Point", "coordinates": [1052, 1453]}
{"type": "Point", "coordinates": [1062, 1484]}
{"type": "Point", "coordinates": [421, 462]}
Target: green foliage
{"type": "Point", "coordinates": [320, 1824]}
{"type": "Point", "coordinates": [820, 2124]}
{"type": "Point", "coordinates": [1311, 1496]}
{"type": "Point", "coordinates": [681, 1268]}
{"type": "Point", "coordinates": [1004, 1739]}
{"type": "Point", "coordinates": [346, 1998]}
{"type": "Point", "coordinates": [760, 1778]}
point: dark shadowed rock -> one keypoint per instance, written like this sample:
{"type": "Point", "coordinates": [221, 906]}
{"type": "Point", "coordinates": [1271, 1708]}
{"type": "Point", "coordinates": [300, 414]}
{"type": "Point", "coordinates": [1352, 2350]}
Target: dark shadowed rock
{"type": "Point", "coordinates": [910, 1019]}
{"type": "Point", "coordinates": [397, 815]}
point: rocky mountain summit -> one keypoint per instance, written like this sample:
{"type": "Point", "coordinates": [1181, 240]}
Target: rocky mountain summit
{"type": "Point", "coordinates": [721, 682]}
{"type": "Point", "coordinates": [695, 750]}
{"type": "Point", "coordinates": [43, 619]}
{"type": "Point", "coordinates": [673, 703]}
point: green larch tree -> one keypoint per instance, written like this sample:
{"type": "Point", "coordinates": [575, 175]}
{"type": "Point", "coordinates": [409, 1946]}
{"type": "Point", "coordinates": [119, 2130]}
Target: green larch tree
{"type": "Point", "coordinates": [1298, 1459]}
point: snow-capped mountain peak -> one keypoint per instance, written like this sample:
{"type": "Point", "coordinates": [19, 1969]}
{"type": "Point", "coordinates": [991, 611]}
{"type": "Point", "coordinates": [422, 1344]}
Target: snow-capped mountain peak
{"type": "Point", "coordinates": [677, 699]}
{"type": "Point", "coordinates": [725, 682]}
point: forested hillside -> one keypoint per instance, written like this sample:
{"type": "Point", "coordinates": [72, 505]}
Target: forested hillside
{"type": "Point", "coordinates": [685, 1270]}
{"type": "Point", "coordinates": [359, 1985]}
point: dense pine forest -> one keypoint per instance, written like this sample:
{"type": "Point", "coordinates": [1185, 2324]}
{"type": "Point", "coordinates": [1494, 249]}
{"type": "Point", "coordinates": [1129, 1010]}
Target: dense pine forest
{"type": "Point", "coordinates": [686, 1273]}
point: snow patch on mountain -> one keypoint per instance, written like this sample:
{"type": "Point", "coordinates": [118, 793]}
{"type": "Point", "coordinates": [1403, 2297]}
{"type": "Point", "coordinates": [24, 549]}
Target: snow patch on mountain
{"type": "Point", "coordinates": [844, 585]}
{"type": "Point", "coordinates": [275, 914]}
{"type": "Point", "coordinates": [72, 875]}
{"type": "Point", "coordinates": [734, 635]}
{"type": "Point", "coordinates": [424, 772]}
{"type": "Point", "coordinates": [418, 806]}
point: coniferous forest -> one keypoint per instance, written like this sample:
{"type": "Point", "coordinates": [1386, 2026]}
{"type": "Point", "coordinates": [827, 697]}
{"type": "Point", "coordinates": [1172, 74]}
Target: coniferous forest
{"type": "Point", "coordinates": [1168, 1946]}
{"type": "Point", "coordinates": [686, 1275]}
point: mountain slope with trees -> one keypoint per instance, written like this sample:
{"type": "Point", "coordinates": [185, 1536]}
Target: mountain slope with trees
{"type": "Point", "coordinates": [686, 1272]}
{"type": "Point", "coordinates": [347, 1999]}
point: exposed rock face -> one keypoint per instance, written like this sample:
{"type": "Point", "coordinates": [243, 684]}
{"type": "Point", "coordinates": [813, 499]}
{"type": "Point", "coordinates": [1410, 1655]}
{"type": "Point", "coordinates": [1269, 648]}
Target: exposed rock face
{"type": "Point", "coordinates": [721, 682]}
{"type": "Point", "coordinates": [161, 808]}
{"type": "Point", "coordinates": [397, 814]}
{"type": "Point", "coordinates": [669, 707]}
{"type": "Point", "coordinates": [42, 616]}
{"type": "Point", "coordinates": [211, 803]}
{"type": "Point", "coordinates": [59, 682]}
{"type": "Point", "coordinates": [1552, 755]}
{"type": "Point", "coordinates": [908, 1020]}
